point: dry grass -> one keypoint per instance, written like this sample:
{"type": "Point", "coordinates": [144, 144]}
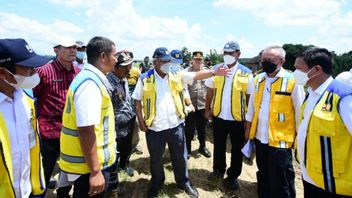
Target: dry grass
{"type": "Point", "coordinates": [199, 169]}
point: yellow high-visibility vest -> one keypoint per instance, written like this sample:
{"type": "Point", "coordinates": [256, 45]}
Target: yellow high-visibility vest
{"type": "Point", "coordinates": [36, 169]}
{"type": "Point", "coordinates": [238, 93]}
{"type": "Point", "coordinates": [328, 152]}
{"type": "Point", "coordinates": [133, 76]}
{"type": "Point", "coordinates": [281, 111]}
{"type": "Point", "coordinates": [71, 155]}
{"type": "Point", "coordinates": [149, 95]}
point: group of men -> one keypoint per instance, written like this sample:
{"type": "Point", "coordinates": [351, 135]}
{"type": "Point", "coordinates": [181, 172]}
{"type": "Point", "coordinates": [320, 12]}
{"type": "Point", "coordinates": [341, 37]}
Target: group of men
{"type": "Point", "coordinates": [86, 117]}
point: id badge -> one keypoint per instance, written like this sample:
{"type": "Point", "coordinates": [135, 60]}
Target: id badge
{"type": "Point", "coordinates": [31, 135]}
{"type": "Point", "coordinates": [32, 139]}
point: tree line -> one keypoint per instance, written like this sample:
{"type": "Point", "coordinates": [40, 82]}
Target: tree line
{"type": "Point", "coordinates": [342, 62]}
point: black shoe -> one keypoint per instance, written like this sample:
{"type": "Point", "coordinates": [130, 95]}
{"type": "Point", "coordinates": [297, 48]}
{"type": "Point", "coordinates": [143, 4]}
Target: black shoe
{"type": "Point", "coordinates": [138, 150]}
{"type": "Point", "coordinates": [204, 151]}
{"type": "Point", "coordinates": [248, 161]}
{"type": "Point", "coordinates": [232, 184]}
{"type": "Point", "coordinates": [190, 190]}
{"type": "Point", "coordinates": [52, 183]}
{"type": "Point", "coordinates": [216, 174]}
{"type": "Point", "coordinates": [152, 192]}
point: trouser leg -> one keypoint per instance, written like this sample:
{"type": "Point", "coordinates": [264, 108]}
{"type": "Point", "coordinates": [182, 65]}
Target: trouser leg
{"type": "Point", "coordinates": [176, 142]}
{"type": "Point", "coordinates": [156, 143]}
{"type": "Point", "coordinates": [220, 136]}
{"type": "Point", "coordinates": [189, 130]}
{"type": "Point", "coordinates": [236, 133]}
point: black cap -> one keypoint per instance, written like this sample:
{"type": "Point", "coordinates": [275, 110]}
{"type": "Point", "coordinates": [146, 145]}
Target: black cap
{"type": "Point", "coordinates": [18, 52]}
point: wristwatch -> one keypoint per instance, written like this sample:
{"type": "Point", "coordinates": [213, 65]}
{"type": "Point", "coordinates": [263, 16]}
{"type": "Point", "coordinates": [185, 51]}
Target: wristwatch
{"type": "Point", "coordinates": [213, 72]}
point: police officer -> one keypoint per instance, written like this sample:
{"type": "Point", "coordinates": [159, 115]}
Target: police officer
{"type": "Point", "coordinates": [196, 119]}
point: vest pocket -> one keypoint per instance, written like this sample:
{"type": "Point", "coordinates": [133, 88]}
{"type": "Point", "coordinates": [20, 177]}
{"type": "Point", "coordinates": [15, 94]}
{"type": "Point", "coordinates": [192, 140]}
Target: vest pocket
{"type": "Point", "coordinates": [176, 83]}
{"type": "Point", "coordinates": [324, 124]}
{"type": "Point", "coordinates": [316, 163]}
{"type": "Point", "coordinates": [338, 168]}
{"type": "Point", "coordinates": [242, 83]}
{"type": "Point", "coordinates": [284, 128]}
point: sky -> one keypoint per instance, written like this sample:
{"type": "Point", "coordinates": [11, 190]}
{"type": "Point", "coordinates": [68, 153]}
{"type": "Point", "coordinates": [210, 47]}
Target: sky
{"type": "Point", "coordinates": [141, 26]}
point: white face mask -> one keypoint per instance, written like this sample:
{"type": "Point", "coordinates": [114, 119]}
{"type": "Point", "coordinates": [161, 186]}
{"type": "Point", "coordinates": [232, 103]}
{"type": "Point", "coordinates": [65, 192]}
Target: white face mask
{"type": "Point", "coordinates": [81, 55]}
{"type": "Point", "coordinates": [170, 67]}
{"type": "Point", "coordinates": [300, 77]}
{"type": "Point", "coordinates": [228, 59]}
{"type": "Point", "coordinates": [26, 82]}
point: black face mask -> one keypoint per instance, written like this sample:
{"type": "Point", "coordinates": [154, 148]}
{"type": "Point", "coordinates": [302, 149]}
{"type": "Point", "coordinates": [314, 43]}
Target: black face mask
{"type": "Point", "coordinates": [268, 67]}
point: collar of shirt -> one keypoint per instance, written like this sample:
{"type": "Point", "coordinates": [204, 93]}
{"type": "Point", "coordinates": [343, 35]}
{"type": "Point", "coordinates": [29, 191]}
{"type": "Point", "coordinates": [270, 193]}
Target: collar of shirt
{"type": "Point", "coordinates": [100, 75]}
{"type": "Point", "coordinates": [191, 68]}
{"type": "Point", "coordinates": [320, 90]}
{"type": "Point", "coordinates": [158, 76]}
{"type": "Point", "coordinates": [232, 69]}
{"type": "Point", "coordinates": [115, 78]}
{"type": "Point", "coordinates": [4, 97]}
{"type": "Point", "coordinates": [281, 73]}
{"type": "Point", "coordinates": [56, 63]}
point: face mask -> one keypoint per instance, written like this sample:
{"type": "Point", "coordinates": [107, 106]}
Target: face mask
{"type": "Point", "coordinates": [268, 67]}
{"type": "Point", "coordinates": [80, 55]}
{"type": "Point", "coordinates": [26, 82]}
{"type": "Point", "coordinates": [301, 77]}
{"type": "Point", "coordinates": [170, 67]}
{"type": "Point", "coordinates": [229, 60]}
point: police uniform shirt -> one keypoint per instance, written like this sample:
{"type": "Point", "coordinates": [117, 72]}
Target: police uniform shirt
{"type": "Point", "coordinates": [225, 112]}
{"type": "Point", "coordinates": [197, 90]}
{"type": "Point", "coordinates": [17, 115]}
{"type": "Point", "coordinates": [165, 115]}
{"type": "Point", "coordinates": [263, 118]}
{"type": "Point", "coordinates": [345, 113]}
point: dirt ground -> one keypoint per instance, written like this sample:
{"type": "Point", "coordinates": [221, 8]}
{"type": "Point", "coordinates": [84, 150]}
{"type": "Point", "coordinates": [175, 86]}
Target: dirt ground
{"type": "Point", "coordinates": [199, 169]}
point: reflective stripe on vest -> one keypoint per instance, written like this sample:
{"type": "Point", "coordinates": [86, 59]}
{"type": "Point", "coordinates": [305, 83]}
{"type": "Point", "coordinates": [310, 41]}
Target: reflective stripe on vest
{"type": "Point", "coordinates": [72, 159]}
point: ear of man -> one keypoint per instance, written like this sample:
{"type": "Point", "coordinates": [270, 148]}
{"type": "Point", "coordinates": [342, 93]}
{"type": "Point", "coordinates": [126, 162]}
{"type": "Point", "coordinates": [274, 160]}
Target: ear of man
{"type": "Point", "coordinates": [6, 75]}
